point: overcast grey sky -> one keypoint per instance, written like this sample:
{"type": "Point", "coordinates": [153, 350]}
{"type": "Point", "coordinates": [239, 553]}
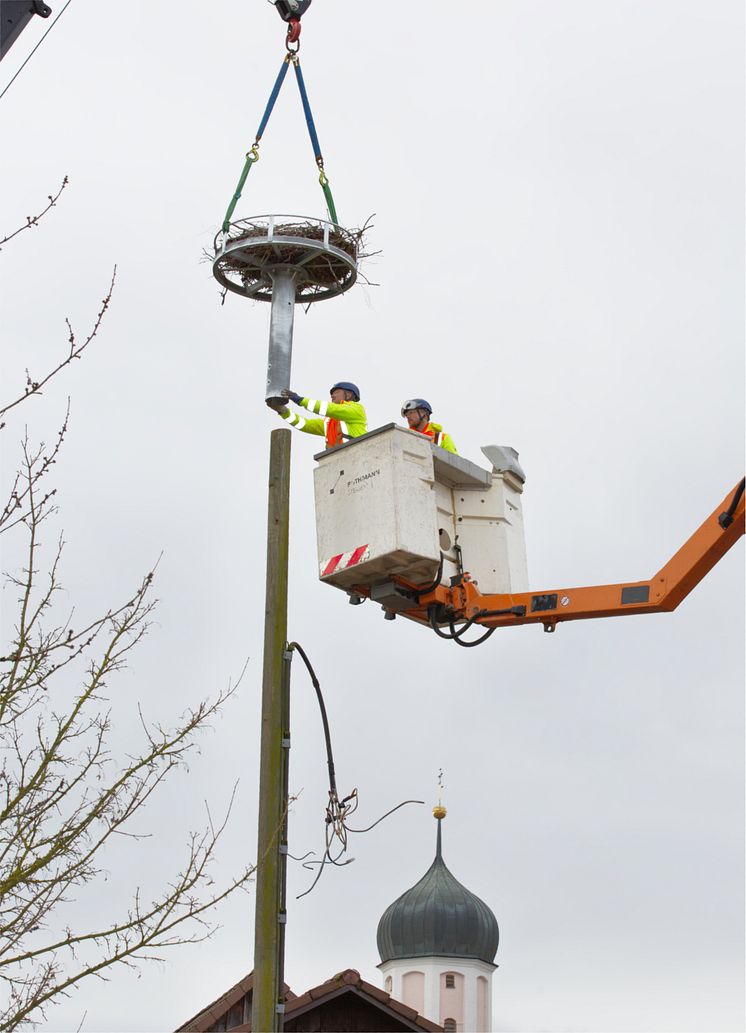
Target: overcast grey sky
{"type": "Point", "coordinates": [558, 197]}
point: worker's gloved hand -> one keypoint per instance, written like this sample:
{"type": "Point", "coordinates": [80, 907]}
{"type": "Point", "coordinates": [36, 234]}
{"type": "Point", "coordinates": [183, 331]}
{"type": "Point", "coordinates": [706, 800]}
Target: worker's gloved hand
{"type": "Point", "coordinates": [292, 396]}
{"type": "Point", "coordinates": [277, 404]}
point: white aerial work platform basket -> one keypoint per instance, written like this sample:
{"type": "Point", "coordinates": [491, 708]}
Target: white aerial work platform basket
{"type": "Point", "coordinates": [390, 503]}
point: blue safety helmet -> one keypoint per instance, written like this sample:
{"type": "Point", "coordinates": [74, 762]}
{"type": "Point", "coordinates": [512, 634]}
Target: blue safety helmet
{"type": "Point", "coordinates": [416, 403]}
{"type": "Point", "coordinates": [345, 385]}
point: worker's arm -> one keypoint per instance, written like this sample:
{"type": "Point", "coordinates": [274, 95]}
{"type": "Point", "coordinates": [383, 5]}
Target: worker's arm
{"type": "Point", "coordinates": [350, 414]}
{"type": "Point", "coordinates": [323, 409]}
{"type": "Point", "coordinates": [301, 423]}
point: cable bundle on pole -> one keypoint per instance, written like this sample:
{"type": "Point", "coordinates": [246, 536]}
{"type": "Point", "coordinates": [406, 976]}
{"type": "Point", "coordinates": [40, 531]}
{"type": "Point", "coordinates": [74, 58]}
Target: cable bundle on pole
{"type": "Point", "coordinates": [337, 811]}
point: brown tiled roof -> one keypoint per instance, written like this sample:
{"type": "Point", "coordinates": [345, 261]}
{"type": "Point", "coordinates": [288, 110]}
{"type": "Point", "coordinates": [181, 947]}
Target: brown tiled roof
{"type": "Point", "coordinates": [348, 981]}
{"type": "Point", "coordinates": [202, 1021]}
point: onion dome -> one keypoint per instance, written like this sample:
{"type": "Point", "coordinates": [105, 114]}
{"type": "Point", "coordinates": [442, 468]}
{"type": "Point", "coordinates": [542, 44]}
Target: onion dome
{"type": "Point", "coordinates": [438, 917]}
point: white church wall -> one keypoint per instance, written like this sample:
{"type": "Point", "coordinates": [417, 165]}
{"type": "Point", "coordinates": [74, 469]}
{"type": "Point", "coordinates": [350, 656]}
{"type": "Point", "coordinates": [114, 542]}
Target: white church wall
{"type": "Point", "coordinates": [413, 990]}
{"type": "Point", "coordinates": [469, 1002]}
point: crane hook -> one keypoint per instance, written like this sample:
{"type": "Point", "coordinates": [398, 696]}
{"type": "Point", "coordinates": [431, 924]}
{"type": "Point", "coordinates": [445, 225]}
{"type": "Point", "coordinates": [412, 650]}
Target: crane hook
{"type": "Point", "coordinates": [293, 35]}
{"type": "Point", "coordinates": [291, 11]}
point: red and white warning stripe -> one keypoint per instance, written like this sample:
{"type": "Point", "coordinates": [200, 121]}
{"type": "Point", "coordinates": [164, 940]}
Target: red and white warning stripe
{"type": "Point", "coordinates": [345, 560]}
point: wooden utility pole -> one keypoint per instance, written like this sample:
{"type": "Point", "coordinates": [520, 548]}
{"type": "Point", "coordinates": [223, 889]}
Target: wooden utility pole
{"type": "Point", "coordinates": [269, 930]}
{"type": "Point", "coordinates": [257, 264]}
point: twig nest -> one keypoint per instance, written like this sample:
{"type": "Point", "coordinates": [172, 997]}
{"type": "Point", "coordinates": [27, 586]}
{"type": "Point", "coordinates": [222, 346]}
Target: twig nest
{"type": "Point", "coordinates": [322, 256]}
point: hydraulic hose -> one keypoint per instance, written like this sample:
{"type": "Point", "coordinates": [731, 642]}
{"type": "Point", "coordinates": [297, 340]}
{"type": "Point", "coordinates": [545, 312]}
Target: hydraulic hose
{"type": "Point", "coordinates": [431, 587]}
{"type": "Point", "coordinates": [476, 641]}
{"type": "Point", "coordinates": [726, 519]}
{"type": "Point", "coordinates": [434, 624]}
{"type": "Point", "coordinates": [456, 636]}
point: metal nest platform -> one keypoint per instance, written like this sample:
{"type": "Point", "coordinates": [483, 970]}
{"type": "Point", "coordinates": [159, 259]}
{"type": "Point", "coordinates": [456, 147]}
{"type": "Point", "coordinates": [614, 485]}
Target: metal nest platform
{"type": "Point", "coordinates": [321, 256]}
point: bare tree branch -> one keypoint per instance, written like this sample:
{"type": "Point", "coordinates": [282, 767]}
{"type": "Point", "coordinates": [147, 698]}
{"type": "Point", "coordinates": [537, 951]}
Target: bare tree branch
{"type": "Point", "coordinates": [39, 463]}
{"type": "Point", "coordinates": [34, 220]}
{"type": "Point", "coordinates": [75, 350]}
{"type": "Point", "coordinates": [65, 796]}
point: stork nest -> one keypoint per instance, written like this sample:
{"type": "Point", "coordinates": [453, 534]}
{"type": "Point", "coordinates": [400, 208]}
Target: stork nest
{"type": "Point", "coordinates": [319, 272]}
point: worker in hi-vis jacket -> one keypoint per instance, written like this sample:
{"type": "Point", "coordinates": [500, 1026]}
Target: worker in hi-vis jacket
{"type": "Point", "coordinates": [417, 413]}
{"type": "Point", "coordinates": [340, 419]}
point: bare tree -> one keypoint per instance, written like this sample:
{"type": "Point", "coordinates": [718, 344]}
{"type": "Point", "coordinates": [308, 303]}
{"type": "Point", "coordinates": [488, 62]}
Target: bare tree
{"type": "Point", "coordinates": [63, 794]}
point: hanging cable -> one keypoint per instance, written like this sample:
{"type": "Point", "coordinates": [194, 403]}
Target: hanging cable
{"type": "Point", "coordinates": [378, 822]}
{"type": "Point", "coordinates": [324, 719]}
{"type": "Point", "coordinates": [337, 811]}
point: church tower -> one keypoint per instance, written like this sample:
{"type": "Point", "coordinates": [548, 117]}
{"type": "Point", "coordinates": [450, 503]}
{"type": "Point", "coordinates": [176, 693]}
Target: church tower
{"type": "Point", "coordinates": [437, 944]}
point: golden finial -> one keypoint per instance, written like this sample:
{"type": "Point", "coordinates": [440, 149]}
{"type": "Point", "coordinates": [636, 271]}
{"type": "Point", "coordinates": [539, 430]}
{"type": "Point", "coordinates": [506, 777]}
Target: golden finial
{"type": "Point", "coordinates": [439, 810]}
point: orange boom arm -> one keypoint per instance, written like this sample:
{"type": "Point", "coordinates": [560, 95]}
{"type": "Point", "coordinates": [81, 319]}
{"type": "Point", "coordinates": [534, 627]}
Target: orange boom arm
{"type": "Point", "coordinates": [663, 592]}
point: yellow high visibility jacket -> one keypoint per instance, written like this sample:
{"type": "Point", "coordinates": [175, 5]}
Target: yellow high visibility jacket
{"type": "Point", "coordinates": [435, 432]}
{"type": "Point", "coordinates": [338, 421]}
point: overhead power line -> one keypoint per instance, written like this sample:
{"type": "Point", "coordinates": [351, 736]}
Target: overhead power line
{"type": "Point", "coordinates": [35, 49]}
